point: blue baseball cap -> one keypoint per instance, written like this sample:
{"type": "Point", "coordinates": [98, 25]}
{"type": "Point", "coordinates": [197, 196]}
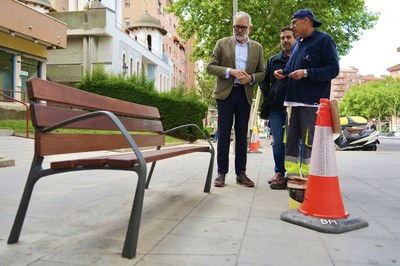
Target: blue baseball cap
{"type": "Point", "coordinates": [307, 13]}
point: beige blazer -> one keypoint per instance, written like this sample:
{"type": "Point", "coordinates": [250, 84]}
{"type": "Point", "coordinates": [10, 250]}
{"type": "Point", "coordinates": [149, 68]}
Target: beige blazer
{"type": "Point", "coordinates": [223, 57]}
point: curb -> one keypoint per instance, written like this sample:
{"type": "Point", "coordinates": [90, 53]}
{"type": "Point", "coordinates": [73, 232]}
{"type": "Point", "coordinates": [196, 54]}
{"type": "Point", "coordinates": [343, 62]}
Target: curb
{"type": "Point", "coordinates": [5, 132]}
{"type": "Point", "coordinates": [7, 162]}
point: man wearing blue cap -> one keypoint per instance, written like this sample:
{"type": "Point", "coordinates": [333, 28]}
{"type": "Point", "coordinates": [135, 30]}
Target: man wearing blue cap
{"type": "Point", "coordinates": [313, 63]}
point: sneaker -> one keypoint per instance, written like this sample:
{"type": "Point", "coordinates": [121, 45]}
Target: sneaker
{"type": "Point", "coordinates": [276, 177]}
{"type": "Point", "coordinates": [220, 180]}
{"type": "Point", "coordinates": [243, 180]}
{"type": "Point", "coordinates": [281, 183]}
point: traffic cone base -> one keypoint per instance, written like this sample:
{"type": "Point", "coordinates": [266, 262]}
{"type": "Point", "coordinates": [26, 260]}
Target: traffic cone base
{"type": "Point", "coordinates": [324, 225]}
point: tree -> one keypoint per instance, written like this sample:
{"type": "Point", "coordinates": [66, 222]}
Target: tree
{"type": "Point", "coordinates": [378, 99]}
{"type": "Point", "coordinates": [209, 21]}
{"type": "Point", "coordinates": [205, 88]}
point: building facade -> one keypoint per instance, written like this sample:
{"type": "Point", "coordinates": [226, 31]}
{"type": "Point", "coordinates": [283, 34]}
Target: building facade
{"type": "Point", "coordinates": [346, 79]}
{"type": "Point", "coordinates": [27, 35]}
{"type": "Point", "coordinates": [394, 71]}
{"type": "Point", "coordinates": [173, 46]}
{"type": "Point", "coordinates": [96, 37]}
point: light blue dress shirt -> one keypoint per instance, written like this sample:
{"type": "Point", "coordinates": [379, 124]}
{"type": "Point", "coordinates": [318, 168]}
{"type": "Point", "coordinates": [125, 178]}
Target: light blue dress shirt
{"type": "Point", "coordinates": [241, 52]}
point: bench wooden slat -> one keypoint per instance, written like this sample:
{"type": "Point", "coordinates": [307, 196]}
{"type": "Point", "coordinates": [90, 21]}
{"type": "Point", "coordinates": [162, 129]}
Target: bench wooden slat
{"type": "Point", "coordinates": [44, 116]}
{"type": "Point", "coordinates": [59, 143]}
{"type": "Point", "coordinates": [127, 160]}
{"type": "Point", "coordinates": [48, 91]}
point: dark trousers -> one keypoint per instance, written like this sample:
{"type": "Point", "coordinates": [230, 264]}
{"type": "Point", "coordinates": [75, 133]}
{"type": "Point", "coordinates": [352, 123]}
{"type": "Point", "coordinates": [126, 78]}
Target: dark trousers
{"type": "Point", "coordinates": [277, 120]}
{"type": "Point", "coordinates": [299, 139]}
{"type": "Point", "coordinates": [234, 108]}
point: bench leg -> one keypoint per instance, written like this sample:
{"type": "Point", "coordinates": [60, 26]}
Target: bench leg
{"type": "Point", "coordinates": [151, 170]}
{"type": "Point", "coordinates": [207, 186]}
{"type": "Point", "coordinates": [153, 164]}
{"type": "Point", "coordinates": [33, 177]}
{"type": "Point", "coordinates": [132, 235]}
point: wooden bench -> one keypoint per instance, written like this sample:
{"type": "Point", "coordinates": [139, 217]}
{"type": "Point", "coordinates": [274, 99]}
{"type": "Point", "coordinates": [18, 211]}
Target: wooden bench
{"type": "Point", "coordinates": [54, 106]}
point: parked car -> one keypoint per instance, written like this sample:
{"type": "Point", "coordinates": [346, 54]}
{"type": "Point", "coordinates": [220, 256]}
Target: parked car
{"type": "Point", "coordinates": [387, 133]}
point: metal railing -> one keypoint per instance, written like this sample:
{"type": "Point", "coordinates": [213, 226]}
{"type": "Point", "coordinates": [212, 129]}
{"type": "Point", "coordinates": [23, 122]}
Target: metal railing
{"type": "Point", "coordinates": [11, 99]}
{"type": "Point", "coordinates": [10, 93]}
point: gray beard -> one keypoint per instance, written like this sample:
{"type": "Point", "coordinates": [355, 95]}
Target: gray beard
{"type": "Point", "coordinates": [243, 37]}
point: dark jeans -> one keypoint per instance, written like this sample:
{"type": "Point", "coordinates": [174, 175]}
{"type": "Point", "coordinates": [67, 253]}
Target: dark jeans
{"type": "Point", "coordinates": [277, 120]}
{"type": "Point", "coordinates": [234, 107]}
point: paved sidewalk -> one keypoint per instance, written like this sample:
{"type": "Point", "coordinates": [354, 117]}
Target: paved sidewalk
{"type": "Point", "coordinates": [80, 218]}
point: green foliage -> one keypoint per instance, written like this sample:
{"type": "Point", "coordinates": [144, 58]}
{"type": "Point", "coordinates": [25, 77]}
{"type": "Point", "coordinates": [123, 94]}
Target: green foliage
{"type": "Point", "coordinates": [205, 87]}
{"type": "Point", "coordinates": [176, 108]}
{"type": "Point", "coordinates": [211, 20]}
{"type": "Point", "coordinates": [377, 99]}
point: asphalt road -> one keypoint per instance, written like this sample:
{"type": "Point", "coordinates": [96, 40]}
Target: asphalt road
{"type": "Point", "coordinates": [389, 144]}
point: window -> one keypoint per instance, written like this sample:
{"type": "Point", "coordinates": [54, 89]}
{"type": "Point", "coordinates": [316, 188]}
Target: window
{"type": "Point", "coordinates": [6, 80]}
{"type": "Point", "coordinates": [124, 65]}
{"type": "Point", "coordinates": [127, 22]}
{"type": "Point", "coordinates": [127, 3]}
{"type": "Point", "coordinates": [160, 9]}
{"type": "Point", "coordinates": [30, 68]}
{"type": "Point", "coordinates": [131, 67]}
{"type": "Point", "coordinates": [149, 42]}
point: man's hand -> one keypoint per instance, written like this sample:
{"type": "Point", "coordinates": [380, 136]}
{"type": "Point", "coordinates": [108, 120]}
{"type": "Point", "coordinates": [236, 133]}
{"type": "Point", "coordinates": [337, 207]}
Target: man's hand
{"type": "Point", "coordinates": [245, 79]}
{"type": "Point", "coordinates": [279, 74]}
{"type": "Point", "coordinates": [297, 74]}
{"type": "Point", "coordinates": [237, 73]}
{"type": "Point", "coordinates": [241, 75]}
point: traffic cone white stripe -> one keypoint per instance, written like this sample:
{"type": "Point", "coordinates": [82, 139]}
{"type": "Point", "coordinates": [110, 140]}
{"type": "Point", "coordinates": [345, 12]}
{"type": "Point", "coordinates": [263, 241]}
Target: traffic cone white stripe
{"type": "Point", "coordinates": [323, 157]}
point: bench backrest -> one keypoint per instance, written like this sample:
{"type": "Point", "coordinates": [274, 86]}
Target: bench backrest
{"type": "Point", "coordinates": [51, 103]}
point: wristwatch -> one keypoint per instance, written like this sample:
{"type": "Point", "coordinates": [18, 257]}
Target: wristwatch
{"type": "Point", "coordinates": [305, 74]}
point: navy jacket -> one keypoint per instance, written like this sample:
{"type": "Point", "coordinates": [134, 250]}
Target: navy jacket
{"type": "Point", "coordinates": [316, 53]}
{"type": "Point", "coordinates": [274, 90]}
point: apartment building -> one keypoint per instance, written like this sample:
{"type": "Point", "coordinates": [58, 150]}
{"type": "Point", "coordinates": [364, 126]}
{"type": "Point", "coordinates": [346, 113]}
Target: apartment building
{"type": "Point", "coordinates": [347, 78]}
{"type": "Point", "coordinates": [173, 46]}
{"type": "Point", "coordinates": [394, 71]}
{"type": "Point", "coordinates": [96, 37]}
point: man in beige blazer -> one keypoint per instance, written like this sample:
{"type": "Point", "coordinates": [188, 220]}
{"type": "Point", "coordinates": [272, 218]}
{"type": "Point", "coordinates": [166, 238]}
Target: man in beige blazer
{"type": "Point", "coordinates": [238, 63]}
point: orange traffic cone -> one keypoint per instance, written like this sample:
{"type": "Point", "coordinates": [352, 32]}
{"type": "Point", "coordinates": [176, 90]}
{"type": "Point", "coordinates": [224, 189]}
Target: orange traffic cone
{"type": "Point", "coordinates": [253, 141]}
{"type": "Point", "coordinates": [322, 208]}
{"type": "Point", "coordinates": [258, 139]}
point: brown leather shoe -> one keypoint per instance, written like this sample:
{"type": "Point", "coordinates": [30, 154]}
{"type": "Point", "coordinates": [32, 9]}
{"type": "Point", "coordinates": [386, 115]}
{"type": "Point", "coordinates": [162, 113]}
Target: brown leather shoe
{"type": "Point", "coordinates": [243, 180]}
{"type": "Point", "coordinates": [280, 183]}
{"type": "Point", "coordinates": [220, 180]}
{"type": "Point", "coordinates": [275, 178]}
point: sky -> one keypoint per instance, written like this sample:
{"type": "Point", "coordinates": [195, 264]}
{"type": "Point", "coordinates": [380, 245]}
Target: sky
{"type": "Point", "coordinates": [377, 48]}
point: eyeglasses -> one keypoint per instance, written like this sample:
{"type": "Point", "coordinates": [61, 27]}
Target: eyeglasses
{"type": "Point", "coordinates": [237, 27]}
{"type": "Point", "coordinates": [293, 23]}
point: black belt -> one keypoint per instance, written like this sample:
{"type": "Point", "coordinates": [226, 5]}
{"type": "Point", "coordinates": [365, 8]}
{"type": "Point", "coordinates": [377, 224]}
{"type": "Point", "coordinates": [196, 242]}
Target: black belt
{"type": "Point", "coordinates": [237, 85]}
